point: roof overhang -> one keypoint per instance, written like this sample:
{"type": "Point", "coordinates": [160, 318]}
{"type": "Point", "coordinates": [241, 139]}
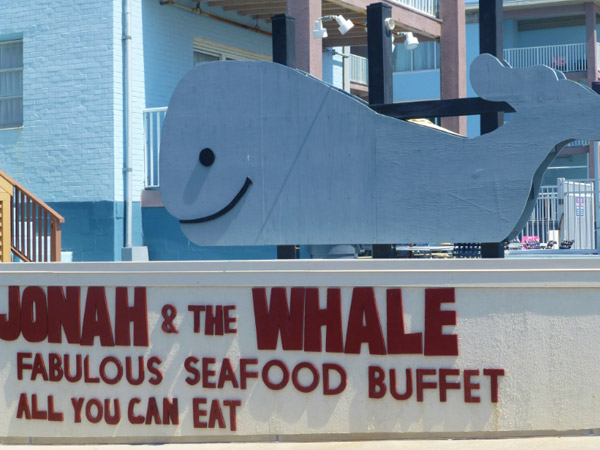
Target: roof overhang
{"type": "Point", "coordinates": [407, 19]}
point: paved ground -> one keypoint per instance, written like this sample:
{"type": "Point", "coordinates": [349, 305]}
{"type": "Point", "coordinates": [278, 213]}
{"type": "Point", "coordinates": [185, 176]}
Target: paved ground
{"type": "Point", "coordinates": [546, 443]}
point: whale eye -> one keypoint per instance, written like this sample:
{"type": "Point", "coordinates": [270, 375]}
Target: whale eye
{"type": "Point", "coordinates": [207, 157]}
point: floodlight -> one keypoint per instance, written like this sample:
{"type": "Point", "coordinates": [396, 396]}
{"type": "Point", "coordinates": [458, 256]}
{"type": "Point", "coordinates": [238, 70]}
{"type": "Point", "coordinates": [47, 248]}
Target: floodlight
{"type": "Point", "coordinates": [345, 25]}
{"type": "Point", "coordinates": [390, 24]}
{"type": "Point", "coordinates": [320, 32]}
{"type": "Point", "coordinates": [411, 42]}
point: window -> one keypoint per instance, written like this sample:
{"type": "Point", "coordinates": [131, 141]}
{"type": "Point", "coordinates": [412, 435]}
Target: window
{"type": "Point", "coordinates": [208, 51]}
{"type": "Point", "coordinates": [11, 84]}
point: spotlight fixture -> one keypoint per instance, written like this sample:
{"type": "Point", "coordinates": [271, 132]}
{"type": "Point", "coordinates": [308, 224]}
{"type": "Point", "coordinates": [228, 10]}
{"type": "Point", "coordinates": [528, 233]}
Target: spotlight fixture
{"type": "Point", "coordinates": [320, 32]}
{"type": "Point", "coordinates": [390, 24]}
{"type": "Point", "coordinates": [410, 41]}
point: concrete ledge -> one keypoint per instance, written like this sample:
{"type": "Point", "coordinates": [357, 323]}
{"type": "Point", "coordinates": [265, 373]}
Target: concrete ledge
{"type": "Point", "coordinates": [539, 443]}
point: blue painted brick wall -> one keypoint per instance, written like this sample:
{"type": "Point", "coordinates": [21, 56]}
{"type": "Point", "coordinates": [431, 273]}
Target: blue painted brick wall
{"type": "Point", "coordinates": [65, 149]}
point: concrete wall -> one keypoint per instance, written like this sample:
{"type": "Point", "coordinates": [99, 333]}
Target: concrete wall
{"type": "Point", "coordinates": [494, 348]}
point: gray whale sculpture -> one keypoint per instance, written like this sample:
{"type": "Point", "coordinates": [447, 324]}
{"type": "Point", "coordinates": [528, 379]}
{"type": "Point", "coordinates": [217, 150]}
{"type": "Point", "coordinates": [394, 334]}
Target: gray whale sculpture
{"type": "Point", "coordinates": [256, 153]}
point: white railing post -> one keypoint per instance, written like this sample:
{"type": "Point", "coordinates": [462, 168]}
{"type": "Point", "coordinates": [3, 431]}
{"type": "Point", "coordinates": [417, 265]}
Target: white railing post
{"type": "Point", "coordinates": [566, 58]}
{"type": "Point", "coordinates": [153, 121]}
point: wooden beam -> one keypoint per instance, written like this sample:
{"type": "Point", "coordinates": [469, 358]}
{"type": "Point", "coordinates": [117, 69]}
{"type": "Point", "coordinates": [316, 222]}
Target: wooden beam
{"type": "Point", "coordinates": [441, 108]}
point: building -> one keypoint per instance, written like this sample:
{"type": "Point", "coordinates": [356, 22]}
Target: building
{"type": "Point", "coordinates": [85, 83]}
{"type": "Point", "coordinates": [562, 35]}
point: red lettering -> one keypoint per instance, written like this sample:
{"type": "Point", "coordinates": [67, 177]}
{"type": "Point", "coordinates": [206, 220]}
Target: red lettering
{"type": "Point", "coordinates": [10, 323]}
{"type": "Point", "coordinates": [279, 319]}
{"type": "Point", "coordinates": [152, 413]}
{"type": "Point", "coordinates": [87, 378]}
{"type": "Point", "coordinates": [23, 407]}
{"type": "Point", "coordinates": [118, 366]}
{"type": "Point", "coordinates": [422, 384]}
{"type": "Point", "coordinates": [494, 374]}
{"type": "Point", "coordinates": [39, 368]}
{"type": "Point", "coordinates": [194, 377]}
{"type": "Point", "coordinates": [397, 340]}
{"type": "Point", "coordinates": [227, 374]}
{"type": "Point", "coordinates": [155, 371]}
{"type": "Point", "coordinates": [63, 314]}
{"type": "Point", "coordinates": [207, 373]}
{"type": "Point", "coordinates": [330, 317]}
{"type": "Point", "coordinates": [232, 405]}
{"type": "Point", "coordinates": [115, 418]}
{"type": "Point", "coordinates": [34, 316]}
{"type": "Point", "coordinates": [170, 411]}
{"type": "Point", "coordinates": [436, 342]}
{"type": "Point", "coordinates": [131, 415]}
{"type": "Point", "coordinates": [129, 371]}
{"type": "Point", "coordinates": [96, 321]}
{"type": "Point", "coordinates": [216, 415]}
{"type": "Point", "coordinates": [197, 412]}
{"type": "Point", "coordinates": [409, 387]}
{"type": "Point", "coordinates": [285, 377]}
{"type": "Point", "coordinates": [77, 406]}
{"type": "Point", "coordinates": [21, 365]}
{"type": "Point", "coordinates": [470, 386]}
{"type": "Point", "coordinates": [55, 372]}
{"type": "Point", "coordinates": [363, 310]}
{"type": "Point", "coordinates": [296, 377]}
{"type": "Point", "coordinates": [377, 388]}
{"type": "Point", "coordinates": [53, 416]}
{"type": "Point", "coordinates": [90, 405]}
{"type": "Point", "coordinates": [327, 389]}
{"type": "Point", "coordinates": [229, 320]}
{"type": "Point", "coordinates": [37, 413]}
{"type": "Point", "coordinates": [136, 315]}
{"type": "Point", "coordinates": [196, 310]}
{"type": "Point", "coordinates": [445, 384]}
{"type": "Point", "coordinates": [78, 368]}
{"type": "Point", "coordinates": [244, 373]}
{"type": "Point", "coordinates": [213, 321]}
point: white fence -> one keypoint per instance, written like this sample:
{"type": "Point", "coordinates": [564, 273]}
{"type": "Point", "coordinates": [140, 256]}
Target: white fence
{"type": "Point", "coordinates": [566, 58]}
{"type": "Point", "coordinates": [564, 212]}
{"type": "Point", "coordinates": [153, 121]}
{"type": "Point", "coordinates": [359, 69]}
{"type": "Point", "coordinates": [429, 7]}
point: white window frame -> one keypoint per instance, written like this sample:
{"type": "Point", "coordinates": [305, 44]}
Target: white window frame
{"type": "Point", "coordinates": [224, 52]}
{"type": "Point", "coordinates": [13, 69]}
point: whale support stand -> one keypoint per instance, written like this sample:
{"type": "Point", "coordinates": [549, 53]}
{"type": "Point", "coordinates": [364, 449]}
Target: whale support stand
{"type": "Point", "coordinates": [381, 87]}
{"type": "Point", "coordinates": [490, 41]}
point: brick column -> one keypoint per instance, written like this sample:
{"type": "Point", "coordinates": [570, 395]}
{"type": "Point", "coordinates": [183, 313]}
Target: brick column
{"type": "Point", "coordinates": [453, 67]}
{"type": "Point", "coordinates": [309, 51]}
{"type": "Point", "coordinates": [591, 39]}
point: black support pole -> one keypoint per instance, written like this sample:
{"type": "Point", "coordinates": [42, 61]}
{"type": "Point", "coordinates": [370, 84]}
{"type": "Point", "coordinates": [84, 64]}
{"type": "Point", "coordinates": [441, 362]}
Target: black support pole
{"type": "Point", "coordinates": [379, 52]}
{"type": "Point", "coordinates": [490, 41]}
{"type": "Point", "coordinates": [284, 40]}
{"type": "Point", "coordinates": [379, 49]}
{"type": "Point", "coordinates": [284, 52]}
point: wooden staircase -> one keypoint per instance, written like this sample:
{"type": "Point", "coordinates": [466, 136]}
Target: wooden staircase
{"type": "Point", "coordinates": [29, 229]}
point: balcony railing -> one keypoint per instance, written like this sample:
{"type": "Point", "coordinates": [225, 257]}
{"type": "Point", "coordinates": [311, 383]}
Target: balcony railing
{"type": "Point", "coordinates": [359, 69]}
{"type": "Point", "coordinates": [29, 229]}
{"type": "Point", "coordinates": [429, 7]}
{"type": "Point", "coordinates": [566, 58]}
{"type": "Point", "coordinates": [153, 122]}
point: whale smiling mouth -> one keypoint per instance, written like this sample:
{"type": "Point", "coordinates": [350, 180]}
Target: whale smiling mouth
{"type": "Point", "coordinates": [226, 209]}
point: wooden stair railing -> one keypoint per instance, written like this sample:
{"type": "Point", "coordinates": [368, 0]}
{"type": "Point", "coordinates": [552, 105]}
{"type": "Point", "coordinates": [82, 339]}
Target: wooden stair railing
{"type": "Point", "coordinates": [29, 228]}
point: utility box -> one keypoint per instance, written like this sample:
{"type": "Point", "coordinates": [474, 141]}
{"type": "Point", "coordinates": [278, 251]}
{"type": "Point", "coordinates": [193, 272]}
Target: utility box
{"type": "Point", "coordinates": [576, 213]}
